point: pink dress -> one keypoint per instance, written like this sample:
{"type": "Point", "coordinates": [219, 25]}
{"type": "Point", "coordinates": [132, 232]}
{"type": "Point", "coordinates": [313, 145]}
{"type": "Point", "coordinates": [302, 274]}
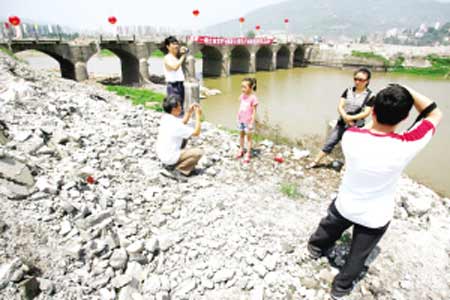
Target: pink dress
{"type": "Point", "coordinates": [248, 103]}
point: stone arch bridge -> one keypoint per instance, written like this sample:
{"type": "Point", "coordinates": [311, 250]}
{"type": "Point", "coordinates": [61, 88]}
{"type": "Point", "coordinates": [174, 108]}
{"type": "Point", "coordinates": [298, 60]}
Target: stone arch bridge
{"type": "Point", "coordinates": [218, 60]}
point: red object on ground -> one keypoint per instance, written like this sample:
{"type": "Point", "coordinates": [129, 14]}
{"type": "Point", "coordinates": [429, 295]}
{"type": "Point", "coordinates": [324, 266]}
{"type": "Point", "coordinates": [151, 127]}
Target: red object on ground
{"type": "Point", "coordinates": [241, 19]}
{"type": "Point", "coordinates": [112, 20]}
{"type": "Point", "coordinates": [279, 159]}
{"type": "Point", "coordinates": [90, 180]}
{"type": "Point", "coordinates": [196, 12]}
{"type": "Point", "coordinates": [286, 20]}
{"type": "Point", "coordinates": [258, 27]}
{"type": "Point", "coordinates": [14, 20]}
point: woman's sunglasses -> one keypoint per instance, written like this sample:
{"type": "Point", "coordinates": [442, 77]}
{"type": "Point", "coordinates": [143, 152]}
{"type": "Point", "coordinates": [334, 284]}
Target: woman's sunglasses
{"type": "Point", "coordinates": [360, 79]}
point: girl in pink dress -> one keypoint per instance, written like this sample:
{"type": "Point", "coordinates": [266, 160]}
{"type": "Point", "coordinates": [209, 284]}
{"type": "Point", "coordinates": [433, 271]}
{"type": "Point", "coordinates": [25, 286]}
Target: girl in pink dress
{"type": "Point", "coordinates": [246, 116]}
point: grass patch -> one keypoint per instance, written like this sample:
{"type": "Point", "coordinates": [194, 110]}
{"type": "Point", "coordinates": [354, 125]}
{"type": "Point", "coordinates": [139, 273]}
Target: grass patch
{"type": "Point", "coordinates": [9, 53]}
{"type": "Point", "coordinates": [290, 190]}
{"type": "Point", "coordinates": [371, 55]}
{"type": "Point", "coordinates": [106, 53]}
{"type": "Point", "coordinates": [256, 137]}
{"type": "Point", "coordinates": [345, 238]}
{"type": "Point", "coordinates": [158, 53]}
{"type": "Point", "coordinates": [138, 96]}
{"type": "Point", "coordinates": [440, 68]}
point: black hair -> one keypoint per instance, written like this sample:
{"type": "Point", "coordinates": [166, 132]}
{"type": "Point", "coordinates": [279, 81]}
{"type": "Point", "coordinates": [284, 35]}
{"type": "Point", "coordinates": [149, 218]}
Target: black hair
{"type": "Point", "coordinates": [170, 40]}
{"type": "Point", "coordinates": [364, 71]}
{"type": "Point", "coordinates": [171, 102]}
{"type": "Point", "coordinates": [251, 82]}
{"type": "Point", "coordinates": [392, 105]}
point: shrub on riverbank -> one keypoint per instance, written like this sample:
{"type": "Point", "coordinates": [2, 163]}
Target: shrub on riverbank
{"type": "Point", "coordinates": [371, 55]}
{"type": "Point", "coordinates": [440, 66]}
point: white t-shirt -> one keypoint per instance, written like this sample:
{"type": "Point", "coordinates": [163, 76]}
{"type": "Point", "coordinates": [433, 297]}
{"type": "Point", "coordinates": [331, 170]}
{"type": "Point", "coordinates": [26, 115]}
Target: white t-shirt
{"type": "Point", "coordinates": [172, 76]}
{"type": "Point", "coordinates": [374, 164]}
{"type": "Point", "coordinates": [172, 131]}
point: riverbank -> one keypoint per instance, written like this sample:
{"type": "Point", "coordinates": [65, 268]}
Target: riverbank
{"type": "Point", "coordinates": [420, 61]}
{"type": "Point", "coordinates": [90, 216]}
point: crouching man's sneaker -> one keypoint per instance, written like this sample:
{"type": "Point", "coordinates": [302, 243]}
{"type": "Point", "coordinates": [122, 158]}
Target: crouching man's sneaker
{"type": "Point", "coordinates": [340, 294]}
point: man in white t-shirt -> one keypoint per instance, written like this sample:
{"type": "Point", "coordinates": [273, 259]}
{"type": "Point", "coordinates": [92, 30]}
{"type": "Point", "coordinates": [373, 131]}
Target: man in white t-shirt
{"type": "Point", "coordinates": [375, 159]}
{"type": "Point", "coordinates": [172, 132]}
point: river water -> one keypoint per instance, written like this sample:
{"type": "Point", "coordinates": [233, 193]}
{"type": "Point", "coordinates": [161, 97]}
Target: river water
{"type": "Point", "coordinates": [301, 102]}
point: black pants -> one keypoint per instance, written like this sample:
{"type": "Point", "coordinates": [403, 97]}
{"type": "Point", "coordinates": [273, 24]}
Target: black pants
{"type": "Point", "coordinates": [334, 138]}
{"type": "Point", "coordinates": [176, 88]}
{"type": "Point", "coordinates": [364, 240]}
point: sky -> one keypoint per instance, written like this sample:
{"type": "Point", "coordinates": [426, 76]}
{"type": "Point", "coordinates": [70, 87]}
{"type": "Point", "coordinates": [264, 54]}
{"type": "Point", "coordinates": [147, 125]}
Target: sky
{"type": "Point", "coordinates": [93, 14]}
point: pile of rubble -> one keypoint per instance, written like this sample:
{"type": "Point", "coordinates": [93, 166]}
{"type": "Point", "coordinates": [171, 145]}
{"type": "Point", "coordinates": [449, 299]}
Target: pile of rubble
{"type": "Point", "coordinates": [87, 214]}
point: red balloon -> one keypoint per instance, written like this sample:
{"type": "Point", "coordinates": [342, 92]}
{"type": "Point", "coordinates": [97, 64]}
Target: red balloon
{"type": "Point", "coordinates": [112, 20]}
{"type": "Point", "coordinates": [258, 27]}
{"type": "Point", "coordinates": [241, 19]}
{"type": "Point", "coordinates": [14, 20]}
{"type": "Point", "coordinates": [286, 20]}
{"type": "Point", "coordinates": [196, 12]}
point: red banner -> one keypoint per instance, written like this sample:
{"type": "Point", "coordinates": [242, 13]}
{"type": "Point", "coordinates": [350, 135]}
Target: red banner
{"type": "Point", "coordinates": [222, 41]}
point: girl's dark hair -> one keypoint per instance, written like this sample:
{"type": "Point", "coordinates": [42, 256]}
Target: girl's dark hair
{"type": "Point", "coordinates": [170, 40]}
{"type": "Point", "coordinates": [364, 71]}
{"type": "Point", "coordinates": [252, 83]}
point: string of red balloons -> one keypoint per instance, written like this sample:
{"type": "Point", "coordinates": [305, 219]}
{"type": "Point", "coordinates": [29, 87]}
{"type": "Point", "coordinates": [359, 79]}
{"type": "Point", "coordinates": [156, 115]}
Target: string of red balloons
{"type": "Point", "coordinates": [15, 20]}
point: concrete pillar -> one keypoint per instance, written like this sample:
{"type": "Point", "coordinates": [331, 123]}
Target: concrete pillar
{"type": "Point", "coordinates": [81, 72]}
{"type": "Point", "coordinates": [144, 75]}
{"type": "Point", "coordinates": [192, 92]}
{"type": "Point", "coordinates": [252, 65]}
{"type": "Point", "coordinates": [67, 69]}
{"type": "Point", "coordinates": [274, 59]}
{"type": "Point", "coordinates": [291, 59]}
{"type": "Point", "coordinates": [130, 70]}
{"type": "Point", "coordinates": [226, 64]}
{"type": "Point", "coordinates": [189, 67]}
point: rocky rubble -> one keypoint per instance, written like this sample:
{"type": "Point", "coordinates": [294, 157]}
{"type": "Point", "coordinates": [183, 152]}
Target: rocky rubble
{"type": "Point", "coordinates": [87, 214]}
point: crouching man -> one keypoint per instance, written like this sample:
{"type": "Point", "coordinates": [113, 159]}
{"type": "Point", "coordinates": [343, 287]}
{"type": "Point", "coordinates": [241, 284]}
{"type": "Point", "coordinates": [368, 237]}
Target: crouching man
{"type": "Point", "coordinates": [375, 158]}
{"type": "Point", "coordinates": [173, 131]}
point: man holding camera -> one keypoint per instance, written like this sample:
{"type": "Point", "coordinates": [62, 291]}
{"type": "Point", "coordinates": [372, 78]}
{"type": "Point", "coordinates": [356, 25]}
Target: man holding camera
{"type": "Point", "coordinates": [375, 159]}
{"type": "Point", "coordinates": [172, 132]}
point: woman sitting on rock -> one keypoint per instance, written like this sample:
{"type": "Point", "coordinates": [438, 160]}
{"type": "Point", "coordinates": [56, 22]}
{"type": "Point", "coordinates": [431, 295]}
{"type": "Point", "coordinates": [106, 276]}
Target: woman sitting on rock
{"type": "Point", "coordinates": [355, 105]}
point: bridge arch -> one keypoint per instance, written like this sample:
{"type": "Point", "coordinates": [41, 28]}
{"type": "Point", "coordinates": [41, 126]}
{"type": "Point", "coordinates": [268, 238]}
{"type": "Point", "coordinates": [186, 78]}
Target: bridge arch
{"type": "Point", "coordinates": [240, 60]}
{"type": "Point", "coordinates": [129, 65]}
{"type": "Point", "coordinates": [283, 55]}
{"type": "Point", "coordinates": [212, 61]}
{"type": "Point", "coordinates": [52, 61]}
{"type": "Point", "coordinates": [264, 59]}
{"type": "Point", "coordinates": [69, 68]}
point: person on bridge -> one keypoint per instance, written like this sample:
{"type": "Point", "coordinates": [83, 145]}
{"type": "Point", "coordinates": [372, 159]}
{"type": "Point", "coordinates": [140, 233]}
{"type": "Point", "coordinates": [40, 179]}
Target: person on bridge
{"type": "Point", "coordinates": [246, 116]}
{"type": "Point", "coordinates": [173, 68]}
{"type": "Point", "coordinates": [172, 132]}
{"type": "Point", "coordinates": [354, 107]}
{"type": "Point", "coordinates": [376, 157]}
